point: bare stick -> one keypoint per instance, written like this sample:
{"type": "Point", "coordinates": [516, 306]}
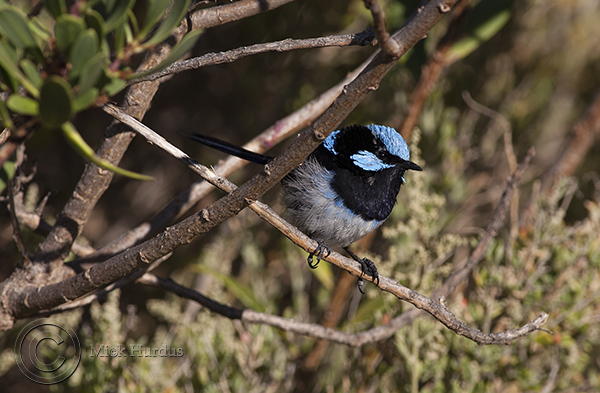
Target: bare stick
{"type": "Point", "coordinates": [496, 222]}
{"type": "Point", "coordinates": [321, 332]}
{"type": "Point", "coordinates": [278, 132]}
{"type": "Point", "coordinates": [21, 302]}
{"type": "Point", "coordinates": [432, 70]}
{"type": "Point", "coordinates": [14, 186]}
{"type": "Point", "coordinates": [94, 181]}
{"type": "Point", "coordinates": [437, 310]}
{"type": "Point", "coordinates": [364, 38]}
{"type": "Point", "coordinates": [581, 139]}
{"type": "Point", "coordinates": [388, 46]}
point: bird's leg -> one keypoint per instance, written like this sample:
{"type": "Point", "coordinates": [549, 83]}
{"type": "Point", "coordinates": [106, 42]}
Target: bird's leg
{"type": "Point", "coordinates": [367, 267]}
{"type": "Point", "coordinates": [322, 251]}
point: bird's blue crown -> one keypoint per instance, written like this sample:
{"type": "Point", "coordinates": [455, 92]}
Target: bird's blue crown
{"type": "Point", "coordinates": [370, 156]}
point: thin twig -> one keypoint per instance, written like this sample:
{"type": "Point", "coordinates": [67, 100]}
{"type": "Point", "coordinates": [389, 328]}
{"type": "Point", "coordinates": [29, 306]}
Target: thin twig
{"type": "Point", "coordinates": [364, 38]}
{"type": "Point", "coordinates": [437, 310]}
{"type": "Point", "coordinates": [4, 135]}
{"type": "Point", "coordinates": [94, 181]}
{"type": "Point", "coordinates": [388, 46]}
{"type": "Point", "coordinates": [382, 332]}
{"type": "Point", "coordinates": [14, 186]}
{"type": "Point", "coordinates": [321, 332]}
{"type": "Point", "coordinates": [273, 135]}
{"type": "Point", "coordinates": [26, 301]}
{"type": "Point", "coordinates": [432, 70]}
{"type": "Point", "coordinates": [581, 138]}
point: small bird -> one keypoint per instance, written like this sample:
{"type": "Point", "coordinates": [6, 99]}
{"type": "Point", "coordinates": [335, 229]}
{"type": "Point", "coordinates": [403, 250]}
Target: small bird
{"type": "Point", "coordinates": [345, 188]}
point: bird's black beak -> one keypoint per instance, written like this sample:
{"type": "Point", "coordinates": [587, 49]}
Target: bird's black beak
{"type": "Point", "coordinates": [411, 165]}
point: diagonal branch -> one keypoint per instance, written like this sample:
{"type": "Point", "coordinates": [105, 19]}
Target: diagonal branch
{"type": "Point", "coordinates": [387, 330]}
{"type": "Point", "coordinates": [437, 309]}
{"type": "Point", "coordinates": [21, 303]}
{"type": "Point", "coordinates": [432, 70]}
{"type": "Point", "coordinates": [94, 181]}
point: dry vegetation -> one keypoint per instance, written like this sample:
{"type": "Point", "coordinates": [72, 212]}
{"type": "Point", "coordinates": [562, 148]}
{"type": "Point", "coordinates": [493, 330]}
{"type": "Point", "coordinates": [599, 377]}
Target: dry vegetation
{"type": "Point", "coordinates": [491, 80]}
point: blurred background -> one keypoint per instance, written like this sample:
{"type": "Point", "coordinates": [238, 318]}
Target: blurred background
{"type": "Point", "coordinates": [512, 75]}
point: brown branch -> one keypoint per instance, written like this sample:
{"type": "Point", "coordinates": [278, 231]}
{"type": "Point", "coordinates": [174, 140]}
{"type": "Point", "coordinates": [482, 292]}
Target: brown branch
{"type": "Point", "coordinates": [326, 333]}
{"type": "Point", "coordinates": [437, 310]}
{"type": "Point", "coordinates": [4, 135]}
{"type": "Point", "coordinates": [14, 187]}
{"type": "Point", "coordinates": [364, 38]}
{"type": "Point", "coordinates": [581, 139]}
{"type": "Point", "coordinates": [331, 318]}
{"type": "Point", "coordinates": [100, 294]}
{"type": "Point", "coordinates": [388, 46]}
{"type": "Point", "coordinates": [576, 146]}
{"type": "Point", "coordinates": [496, 222]}
{"type": "Point", "coordinates": [278, 132]}
{"type": "Point", "coordinates": [432, 70]}
{"type": "Point", "coordinates": [26, 301]}
{"type": "Point", "coordinates": [34, 221]}
{"type": "Point", "coordinates": [94, 181]}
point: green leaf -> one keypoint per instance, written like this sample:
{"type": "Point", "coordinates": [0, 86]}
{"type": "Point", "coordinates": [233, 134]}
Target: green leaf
{"type": "Point", "coordinates": [81, 147]}
{"type": "Point", "coordinates": [5, 115]}
{"type": "Point", "coordinates": [92, 70]}
{"type": "Point", "coordinates": [39, 30]}
{"type": "Point", "coordinates": [114, 86]}
{"type": "Point", "coordinates": [14, 25]}
{"type": "Point", "coordinates": [55, 7]}
{"type": "Point", "coordinates": [176, 53]}
{"type": "Point", "coordinates": [119, 38]}
{"type": "Point", "coordinates": [133, 21]}
{"type": "Point", "coordinates": [483, 22]}
{"type": "Point", "coordinates": [154, 13]}
{"type": "Point", "coordinates": [66, 30]}
{"type": "Point", "coordinates": [23, 105]}
{"type": "Point", "coordinates": [8, 63]}
{"type": "Point", "coordinates": [118, 15]}
{"type": "Point", "coordinates": [32, 72]}
{"type": "Point", "coordinates": [85, 100]}
{"type": "Point", "coordinates": [94, 20]}
{"type": "Point", "coordinates": [56, 102]}
{"type": "Point", "coordinates": [243, 293]}
{"type": "Point", "coordinates": [10, 58]}
{"type": "Point", "coordinates": [84, 48]}
{"type": "Point", "coordinates": [165, 29]}
{"type": "Point", "coordinates": [325, 276]}
{"type": "Point", "coordinates": [7, 171]}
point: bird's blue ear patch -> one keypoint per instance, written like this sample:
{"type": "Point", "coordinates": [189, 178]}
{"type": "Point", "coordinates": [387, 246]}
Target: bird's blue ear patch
{"type": "Point", "coordinates": [329, 142]}
{"type": "Point", "coordinates": [392, 140]}
{"type": "Point", "coordinates": [368, 161]}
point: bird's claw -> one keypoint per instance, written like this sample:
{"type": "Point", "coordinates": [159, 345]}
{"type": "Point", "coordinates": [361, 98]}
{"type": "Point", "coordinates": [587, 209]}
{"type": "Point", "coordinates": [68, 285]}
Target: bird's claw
{"type": "Point", "coordinates": [367, 268]}
{"type": "Point", "coordinates": [322, 251]}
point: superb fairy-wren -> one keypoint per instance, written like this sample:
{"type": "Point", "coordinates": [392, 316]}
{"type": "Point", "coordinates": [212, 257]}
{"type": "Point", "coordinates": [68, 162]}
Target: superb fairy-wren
{"type": "Point", "coordinates": [344, 189]}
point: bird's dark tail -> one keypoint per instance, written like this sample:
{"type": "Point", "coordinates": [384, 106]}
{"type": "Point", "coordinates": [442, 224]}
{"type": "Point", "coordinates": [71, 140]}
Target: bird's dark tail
{"type": "Point", "coordinates": [230, 148]}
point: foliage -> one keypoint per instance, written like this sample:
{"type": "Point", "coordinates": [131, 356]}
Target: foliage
{"type": "Point", "coordinates": [66, 59]}
{"type": "Point", "coordinates": [534, 63]}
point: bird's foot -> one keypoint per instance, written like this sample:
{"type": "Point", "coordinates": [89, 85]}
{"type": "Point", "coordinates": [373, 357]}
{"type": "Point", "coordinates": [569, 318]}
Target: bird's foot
{"type": "Point", "coordinates": [322, 251]}
{"type": "Point", "coordinates": [367, 267]}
